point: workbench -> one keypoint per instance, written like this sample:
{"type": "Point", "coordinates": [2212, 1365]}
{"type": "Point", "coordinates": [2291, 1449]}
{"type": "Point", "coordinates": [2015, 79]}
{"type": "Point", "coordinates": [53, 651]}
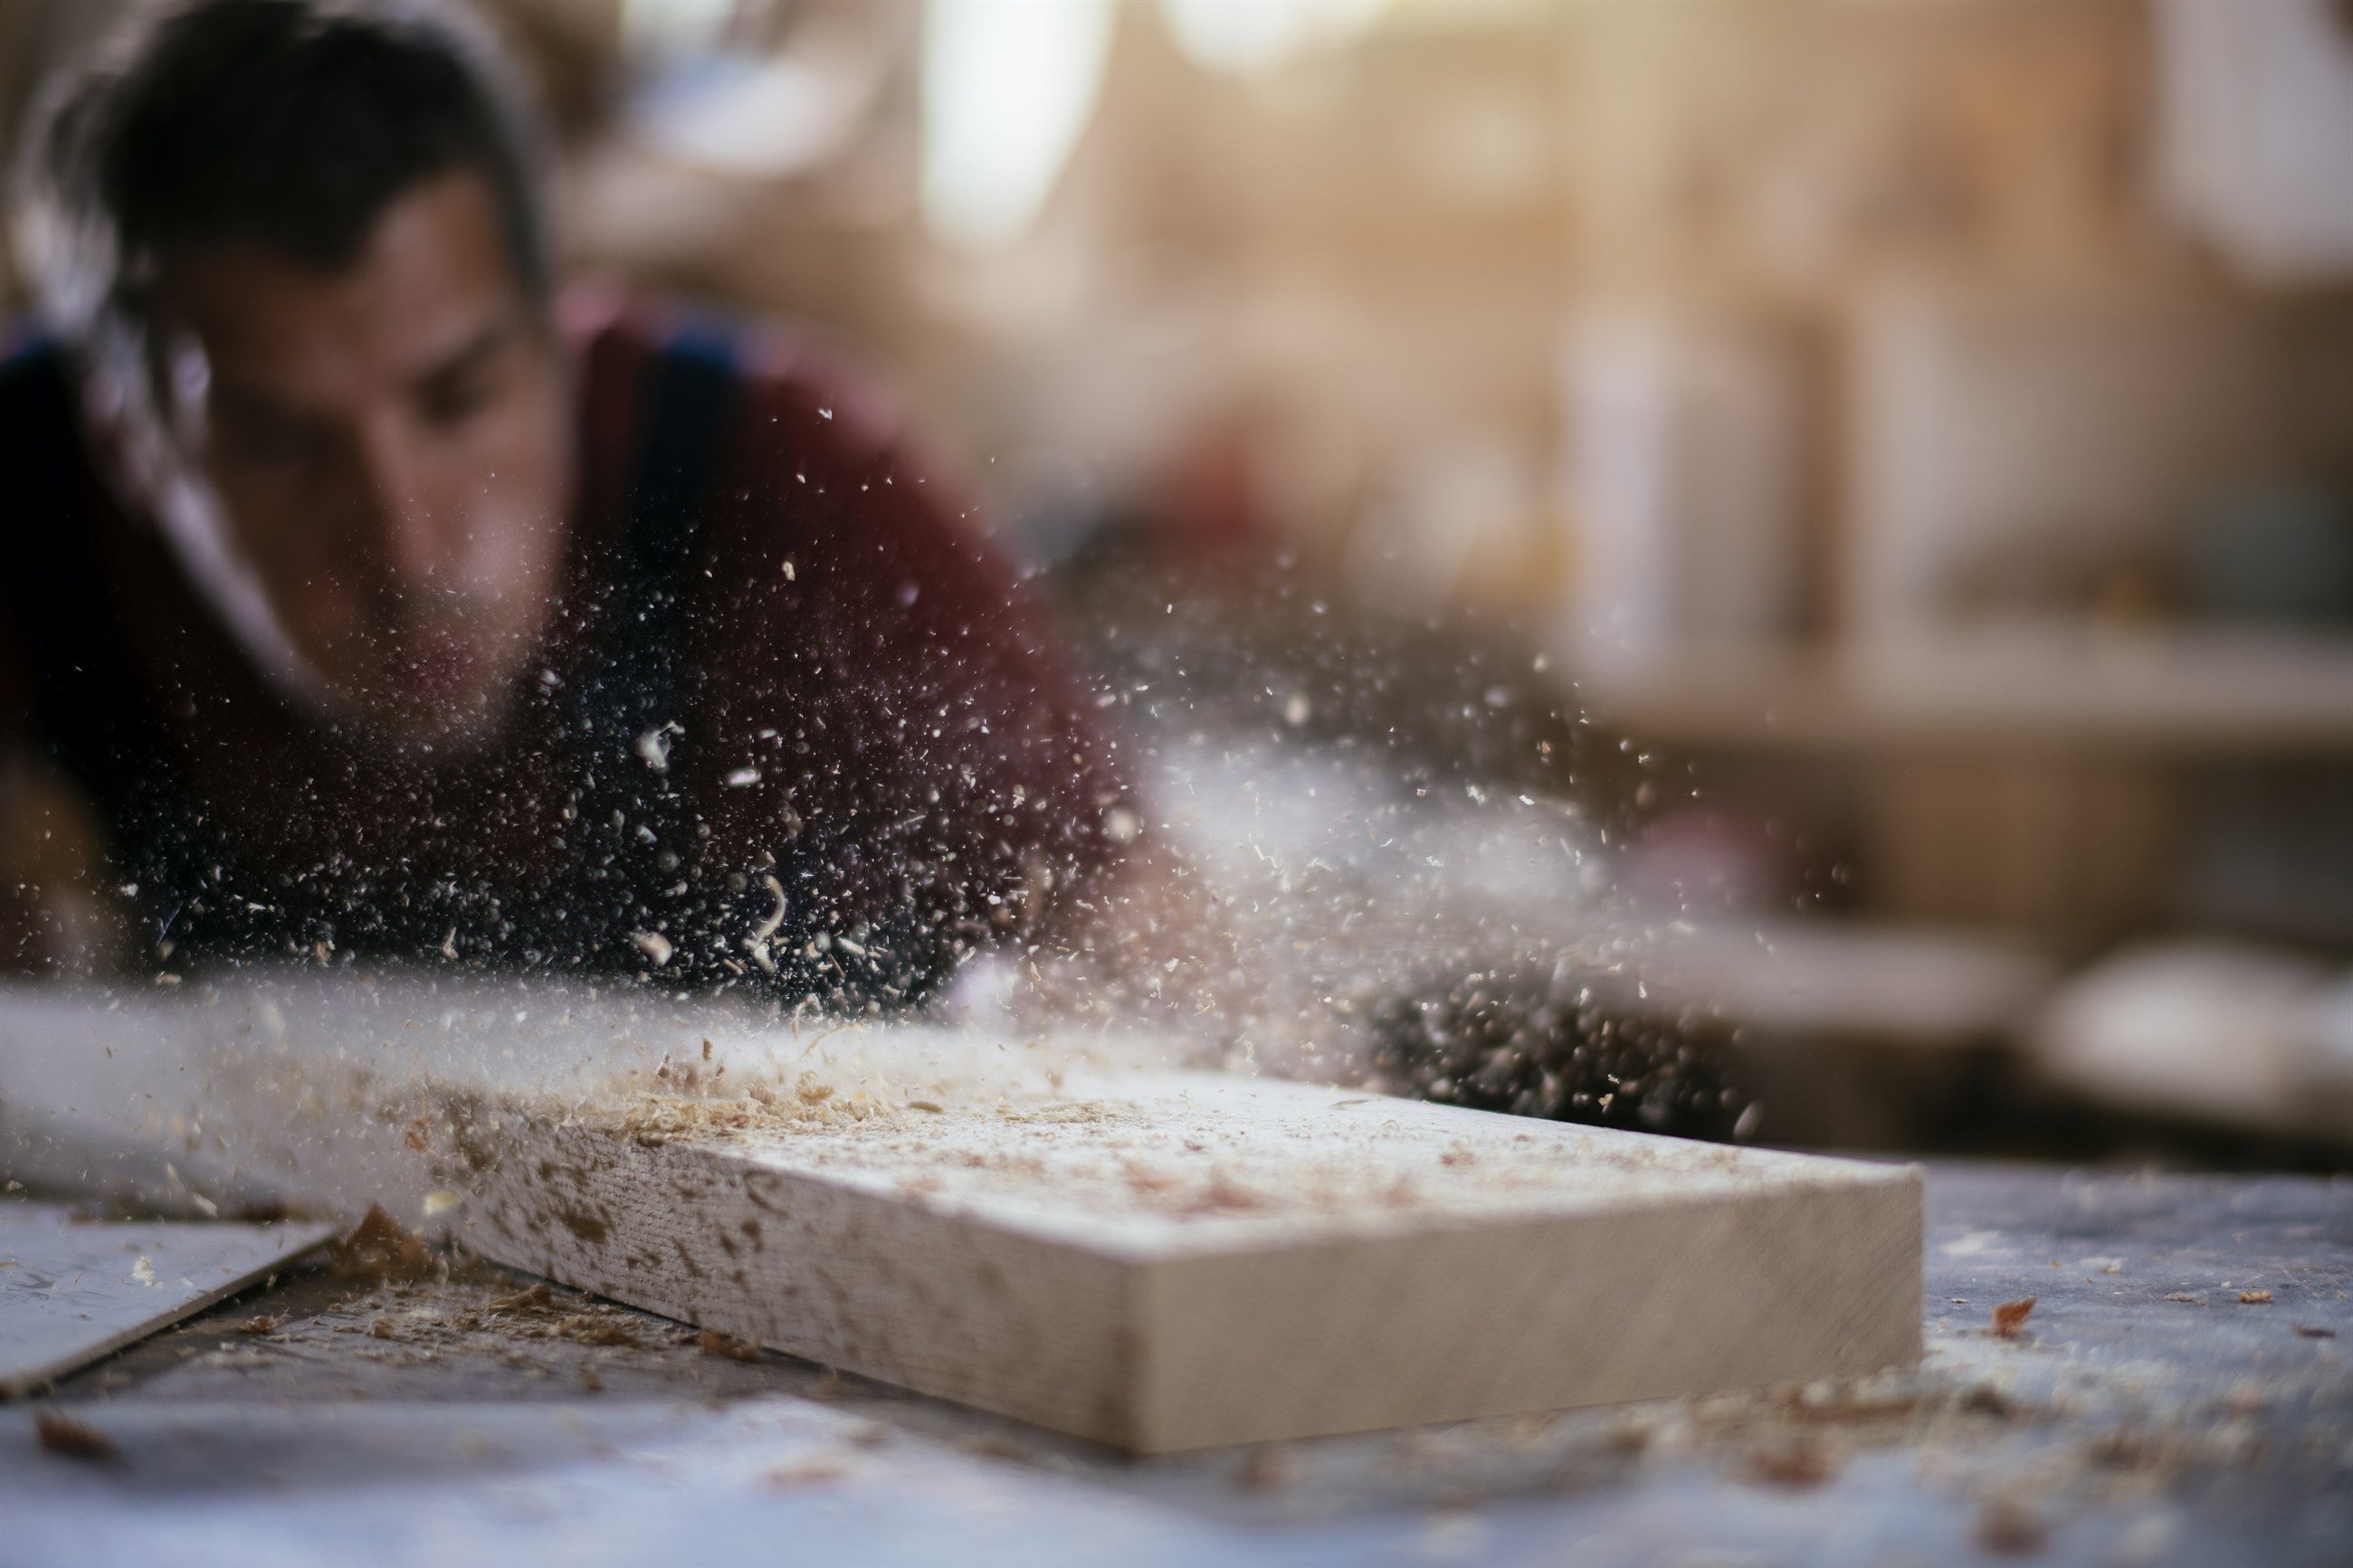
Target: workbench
{"type": "Point", "coordinates": [2143, 1414]}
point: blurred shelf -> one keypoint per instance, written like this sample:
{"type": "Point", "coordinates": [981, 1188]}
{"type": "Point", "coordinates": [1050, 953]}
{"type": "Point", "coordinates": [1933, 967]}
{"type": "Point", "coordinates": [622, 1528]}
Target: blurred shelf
{"type": "Point", "coordinates": [2191, 693]}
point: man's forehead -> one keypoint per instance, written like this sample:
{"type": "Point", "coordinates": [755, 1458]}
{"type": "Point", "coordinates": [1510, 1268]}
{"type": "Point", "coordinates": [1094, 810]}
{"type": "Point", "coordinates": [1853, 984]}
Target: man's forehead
{"type": "Point", "coordinates": [431, 280]}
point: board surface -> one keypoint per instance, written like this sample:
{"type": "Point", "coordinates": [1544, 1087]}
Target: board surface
{"type": "Point", "coordinates": [1174, 1261]}
{"type": "Point", "coordinates": [71, 1292]}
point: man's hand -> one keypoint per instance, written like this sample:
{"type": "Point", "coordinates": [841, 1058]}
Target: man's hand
{"type": "Point", "coordinates": [56, 914]}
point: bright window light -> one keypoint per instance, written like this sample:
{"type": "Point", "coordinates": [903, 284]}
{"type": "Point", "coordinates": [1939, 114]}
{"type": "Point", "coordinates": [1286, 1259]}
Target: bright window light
{"type": "Point", "coordinates": [1009, 87]}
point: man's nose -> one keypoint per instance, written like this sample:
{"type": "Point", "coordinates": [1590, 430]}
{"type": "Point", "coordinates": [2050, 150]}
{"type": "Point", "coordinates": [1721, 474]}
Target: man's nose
{"type": "Point", "coordinates": [410, 526]}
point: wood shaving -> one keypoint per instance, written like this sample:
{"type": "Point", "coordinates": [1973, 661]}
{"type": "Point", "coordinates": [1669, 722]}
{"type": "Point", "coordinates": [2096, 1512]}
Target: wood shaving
{"type": "Point", "coordinates": [2254, 1297]}
{"type": "Point", "coordinates": [535, 1296]}
{"type": "Point", "coordinates": [262, 1324]}
{"type": "Point", "coordinates": [2010, 1317]}
{"type": "Point", "coordinates": [715, 1343]}
{"type": "Point", "coordinates": [71, 1437]}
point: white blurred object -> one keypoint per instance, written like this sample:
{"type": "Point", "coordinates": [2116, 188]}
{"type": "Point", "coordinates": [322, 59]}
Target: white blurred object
{"type": "Point", "coordinates": [1009, 87]}
{"type": "Point", "coordinates": [1259, 35]}
{"type": "Point", "coordinates": [2210, 1030]}
{"type": "Point", "coordinates": [2255, 131]}
{"type": "Point", "coordinates": [1687, 454]}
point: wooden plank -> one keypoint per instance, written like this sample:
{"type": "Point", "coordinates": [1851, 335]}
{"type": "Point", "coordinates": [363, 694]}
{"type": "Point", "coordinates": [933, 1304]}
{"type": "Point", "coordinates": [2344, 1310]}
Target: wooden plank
{"type": "Point", "coordinates": [1174, 1261]}
{"type": "Point", "coordinates": [72, 1293]}
{"type": "Point", "coordinates": [1061, 1230]}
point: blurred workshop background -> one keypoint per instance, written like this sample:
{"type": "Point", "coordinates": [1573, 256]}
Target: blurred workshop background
{"type": "Point", "coordinates": [1777, 568]}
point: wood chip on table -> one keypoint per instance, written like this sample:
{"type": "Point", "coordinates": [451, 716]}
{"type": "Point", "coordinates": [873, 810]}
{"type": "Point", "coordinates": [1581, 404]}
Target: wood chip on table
{"type": "Point", "coordinates": [715, 1343]}
{"type": "Point", "coordinates": [2254, 1297]}
{"type": "Point", "coordinates": [2008, 1530]}
{"type": "Point", "coordinates": [1265, 1468]}
{"type": "Point", "coordinates": [1806, 1461]}
{"type": "Point", "coordinates": [71, 1437]}
{"type": "Point", "coordinates": [596, 1331]}
{"type": "Point", "coordinates": [2010, 1317]}
{"type": "Point", "coordinates": [535, 1296]}
{"type": "Point", "coordinates": [380, 1245]}
{"type": "Point", "coordinates": [1984, 1399]}
{"type": "Point", "coordinates": [814, 1472]}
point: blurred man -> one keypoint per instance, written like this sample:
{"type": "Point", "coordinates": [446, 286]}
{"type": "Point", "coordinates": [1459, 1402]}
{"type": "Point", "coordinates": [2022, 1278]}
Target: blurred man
{"type": "Point", "coordinates": [383, 599]}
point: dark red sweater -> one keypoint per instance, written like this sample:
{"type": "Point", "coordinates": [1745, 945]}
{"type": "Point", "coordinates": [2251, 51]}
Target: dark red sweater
{"type": "Point", "coordinates": [867, 709]}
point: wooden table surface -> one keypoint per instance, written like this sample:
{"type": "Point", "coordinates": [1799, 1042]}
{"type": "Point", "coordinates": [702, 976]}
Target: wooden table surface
{"type": "Point", "coordinates": [2144, 1415]}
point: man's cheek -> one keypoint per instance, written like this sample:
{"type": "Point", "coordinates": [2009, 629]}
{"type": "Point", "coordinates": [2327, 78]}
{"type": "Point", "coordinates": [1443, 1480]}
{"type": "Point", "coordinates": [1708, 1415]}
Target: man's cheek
{"type": "Point", "coordinates": [508, 550]}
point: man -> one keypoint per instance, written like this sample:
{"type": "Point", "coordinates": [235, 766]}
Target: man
{"type": "Point", "coordinates": [385, 601]}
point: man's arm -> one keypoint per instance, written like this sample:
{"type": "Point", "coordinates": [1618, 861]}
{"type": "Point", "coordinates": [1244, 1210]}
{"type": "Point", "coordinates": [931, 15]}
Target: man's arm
{"type": "Point", "coordinates": [57, 912]}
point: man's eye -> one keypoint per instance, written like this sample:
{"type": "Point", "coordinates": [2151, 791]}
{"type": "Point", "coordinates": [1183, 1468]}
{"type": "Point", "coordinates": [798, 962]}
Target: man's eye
{"type": "Point", "coordinates": [453, 400]}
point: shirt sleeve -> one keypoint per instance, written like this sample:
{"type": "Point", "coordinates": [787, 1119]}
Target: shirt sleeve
{"type": "Point", "coordinates": [887, 727]}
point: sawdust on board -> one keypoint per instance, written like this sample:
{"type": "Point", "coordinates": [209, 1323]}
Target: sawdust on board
{"type": "Point", "coordinates": [1121, 1154]}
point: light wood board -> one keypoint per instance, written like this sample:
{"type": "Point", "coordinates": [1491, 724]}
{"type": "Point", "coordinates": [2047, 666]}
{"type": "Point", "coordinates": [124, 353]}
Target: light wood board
{"type": "Point", "coordinates": [1062, 1230]}
{"type": "Point", "coordinates": [72, 1292]}
{"type": "Point", "coordinates": [1176, 1262]}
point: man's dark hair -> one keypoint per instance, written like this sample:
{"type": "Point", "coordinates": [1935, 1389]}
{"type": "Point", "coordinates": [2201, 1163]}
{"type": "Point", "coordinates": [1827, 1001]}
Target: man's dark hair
{"type": "Point", "coordinates": [293, 126]}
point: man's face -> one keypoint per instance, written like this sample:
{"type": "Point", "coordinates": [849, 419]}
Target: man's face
{"type": "Point", "coordinates": [392, 446]}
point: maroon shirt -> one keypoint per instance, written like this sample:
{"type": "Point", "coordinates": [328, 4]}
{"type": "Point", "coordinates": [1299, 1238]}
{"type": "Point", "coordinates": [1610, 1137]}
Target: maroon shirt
{"type": "Point", "coordinates": [867, 708]}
